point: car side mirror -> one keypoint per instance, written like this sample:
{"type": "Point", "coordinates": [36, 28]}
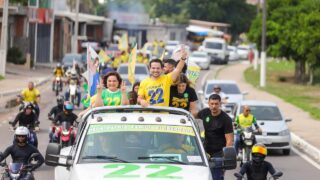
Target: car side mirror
{"type": "Point", "coordinates": [288, 120]}
{"type": "Point", "coordinates": [245, 93]}
{"type": "Point", "coordinates": [262, 123]}
{"type": "Point", "coordinates": [227, 162]}
{"type": "Point", "coordinates": [53, 156]}
{"type": "Point", "coordinates": [200, 92]}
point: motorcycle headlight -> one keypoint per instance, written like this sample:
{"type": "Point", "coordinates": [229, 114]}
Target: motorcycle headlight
{"type": "Point", "coordinates": [65, 133]}
{"type": "Point", "coordinates": [248, 142]}
{"type": "Point", "coordinates": [284, 132]}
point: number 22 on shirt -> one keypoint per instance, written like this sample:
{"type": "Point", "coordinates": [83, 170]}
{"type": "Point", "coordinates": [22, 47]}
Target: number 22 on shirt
{"type": "Point", "coordinates": [156, 96]}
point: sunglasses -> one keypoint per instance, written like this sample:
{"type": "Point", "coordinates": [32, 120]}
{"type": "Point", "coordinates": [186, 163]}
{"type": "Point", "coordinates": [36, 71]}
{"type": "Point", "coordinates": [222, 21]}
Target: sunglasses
{"type": "Point", "coordinates": [248, 110]}
{"type": "Point", "coordinates": [21, 136]}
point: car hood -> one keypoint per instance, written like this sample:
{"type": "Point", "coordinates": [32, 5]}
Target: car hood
{"type": "Point", "coordinates": [139, 171]}
{"type": "Point", "coordinates": [197, 59]}
{"type": "Point", "coordinates": [272, 126]}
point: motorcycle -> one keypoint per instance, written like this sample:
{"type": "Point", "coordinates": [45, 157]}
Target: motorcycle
{"type": "Point", "coordinates": [276, 175]}
{"type": "Point", "coordinates": [65, 134]}
{"type": "Point", "coordinates": [57, 87]}
{"type": "Point", "coordinates": [19, 171]}
{"type": "Point", "coordinates": [73, 91]}
{"type": "Point", "coordinates": [247, 140]}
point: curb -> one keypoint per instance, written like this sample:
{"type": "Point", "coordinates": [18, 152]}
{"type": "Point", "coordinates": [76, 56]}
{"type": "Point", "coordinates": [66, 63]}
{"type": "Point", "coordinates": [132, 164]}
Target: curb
{"type": "Point", "coordinates": [305, 147]}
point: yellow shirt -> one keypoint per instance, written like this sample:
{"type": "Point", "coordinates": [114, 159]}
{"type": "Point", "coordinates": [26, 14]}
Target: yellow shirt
{"type": "Point", "coordinates": [30, 96]}
{"type": "Point", "coordinates": [116, 62]}
{"type": "Point", "coordinates": [58, 72]}
{"type": "Point", "coordinates": [157, 92]}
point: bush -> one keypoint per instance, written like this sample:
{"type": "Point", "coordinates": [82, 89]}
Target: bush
{"type": "Point", "coordinates": [15, 56]}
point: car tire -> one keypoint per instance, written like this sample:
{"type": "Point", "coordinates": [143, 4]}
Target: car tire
{"type": "Point", "coordinates": [286, 152]}
{"type": "Point", "coordinates": [208, 68]}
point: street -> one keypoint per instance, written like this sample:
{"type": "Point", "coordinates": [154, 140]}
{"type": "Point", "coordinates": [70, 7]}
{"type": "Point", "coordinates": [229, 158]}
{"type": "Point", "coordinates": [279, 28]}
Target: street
{"type": "Point", "coordinates": [293, 166]}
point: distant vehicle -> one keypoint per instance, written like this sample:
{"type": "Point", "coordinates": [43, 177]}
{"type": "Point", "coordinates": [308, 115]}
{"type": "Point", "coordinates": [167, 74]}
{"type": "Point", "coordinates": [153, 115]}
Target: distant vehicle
{"type": "Point", "coordinates": [171, 45]}
{"type": "Point", "coordinates": [113, 50]}
{"type": "Point", "coordinates": [201, 59]}
{"type": "Point", "coordinates": [68, 59]}
{"type": "Point", "coordinates": [243, 51]}
{"type": "Point", "coordinates": [216, 49]}
{"type": "Point", "coordinates": [141, 71]}
{"type": "Point", "coordinates": [233, 51]}
{"type": "Point", "coordinates": [95, 45]}
{"type": "Point", "coordinates": [275, 132]}
{"type": "Point", "coordinates": [229, 87]}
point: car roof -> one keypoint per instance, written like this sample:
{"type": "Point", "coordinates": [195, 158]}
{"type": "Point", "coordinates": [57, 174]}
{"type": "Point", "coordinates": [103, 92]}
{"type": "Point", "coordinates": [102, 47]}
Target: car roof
{"type": "Point", "coordinates": [137, 64]}
{"type": "Point", "coordinates": [257, 103]}
{"type": "Point", "coordinates": [218, 81]}
{"type": "Point", "coordinates": [214, 39]}
{"type": "Point", "coordinates": [199, 52]}
{"type": "Point", "coordinates": [132, 114]}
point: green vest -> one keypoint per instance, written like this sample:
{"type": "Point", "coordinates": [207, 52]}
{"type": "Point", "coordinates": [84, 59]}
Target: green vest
{"type": "Point", "coordinates": [245, 122]}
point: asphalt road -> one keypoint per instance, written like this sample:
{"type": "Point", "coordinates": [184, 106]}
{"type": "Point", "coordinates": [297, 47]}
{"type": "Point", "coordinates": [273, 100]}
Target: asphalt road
{"type": "Point", "coordinates": [293, 166]}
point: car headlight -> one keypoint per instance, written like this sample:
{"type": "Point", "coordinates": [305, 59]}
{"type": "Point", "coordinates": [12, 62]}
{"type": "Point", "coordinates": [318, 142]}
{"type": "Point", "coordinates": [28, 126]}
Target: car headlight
{"type": "Point", "coordinates": [284, 132]}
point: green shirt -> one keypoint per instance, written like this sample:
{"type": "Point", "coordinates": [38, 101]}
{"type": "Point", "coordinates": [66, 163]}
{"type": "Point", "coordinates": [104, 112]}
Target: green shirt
{"type": "Point", "coordinates": [110, 98]}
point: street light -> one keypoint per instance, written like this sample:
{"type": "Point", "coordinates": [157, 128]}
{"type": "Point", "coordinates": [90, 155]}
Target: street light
{"type": "Point", "coordinates": [3, 44]}
{"type": "Point", "coordinates": [263, 46]}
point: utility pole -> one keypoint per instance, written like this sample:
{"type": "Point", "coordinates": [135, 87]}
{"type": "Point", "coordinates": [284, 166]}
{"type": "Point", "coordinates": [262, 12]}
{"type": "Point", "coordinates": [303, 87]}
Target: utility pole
{"type": "Point", "coordinates": [256, 52]}
{"type": "Point", "coordinates": [3, 43]}
{"type": "Point", "coordinates": [76, 29]}
{"type": "Point", "coordinates": [52, 31]}
{"type": "Point", "coordinates": [35, 40]}
{"type": "Point", "coordinates": [263, 46]}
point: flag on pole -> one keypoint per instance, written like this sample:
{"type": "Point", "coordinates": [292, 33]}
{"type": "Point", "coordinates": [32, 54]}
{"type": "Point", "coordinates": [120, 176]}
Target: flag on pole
{"type": "Point", "coordinates": [123, 42]}
{"type": "Point", "coordinates": [193, 72]}
{"type": "Point", "coordinates": [103, 57]}
{"type": "Point", "coordinates": [163, 53]}
{"type": "Point", "coordinates": [132, 64]}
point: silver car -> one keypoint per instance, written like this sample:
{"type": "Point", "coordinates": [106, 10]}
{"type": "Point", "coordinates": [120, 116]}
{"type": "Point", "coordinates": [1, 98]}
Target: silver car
{"type": "Point", "coordinates": [201, 59]}
{"type": "Point", "coordinates": [275, 132]}
{"type": "Point", "coordinates": [141, 71]}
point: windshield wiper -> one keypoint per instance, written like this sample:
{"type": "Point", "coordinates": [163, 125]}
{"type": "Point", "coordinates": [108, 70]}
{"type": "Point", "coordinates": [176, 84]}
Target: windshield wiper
{"type": "Point", "coordinates": [112, 158]}
{"type": "Point", "coordinates": [170, 158]}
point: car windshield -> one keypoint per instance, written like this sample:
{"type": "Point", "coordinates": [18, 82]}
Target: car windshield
{"type": "Point", "coordinates": [270, 113]}
{"type": "Point", "coordinates": [143, 143]}
{"type": "Point", "coordinates": [213, 45]}
{"type": "Point", "coordinates": [68, 59]}
{"type": "Point", "coordinates": [138, 70]}
{"type": "Point", "coordinates": [198, 55]}
{"type": "Point", "coordinates": [243, 48]}
{"type": "Point", "coordinates": [227, 88]}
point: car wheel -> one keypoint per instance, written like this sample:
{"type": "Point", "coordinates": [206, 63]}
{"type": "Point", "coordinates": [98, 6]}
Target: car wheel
{"type": "Point", "coordinates": [286, 152]}
{"type": "Point", "coordinates": [208, 68]}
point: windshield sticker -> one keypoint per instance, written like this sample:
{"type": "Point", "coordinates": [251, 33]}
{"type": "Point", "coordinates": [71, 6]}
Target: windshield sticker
{"type": "Point", "coordinates": [194, 159]}
{"type": "Point", "coordinates": [101, 128]}
{"type": "Point", "coordinates": [130, 171]}
{"type": "Point", "coordinates": [172, 156]}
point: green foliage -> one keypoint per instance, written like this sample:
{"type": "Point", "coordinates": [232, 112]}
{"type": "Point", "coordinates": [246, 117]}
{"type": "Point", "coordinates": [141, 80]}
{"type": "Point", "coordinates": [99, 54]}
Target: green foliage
{"type": "Point", "coordinates": [22, 2]}
{"type": "Point", "coordinates": [1, 77]}
{"type": "Point", "coordinates": [15, 56]}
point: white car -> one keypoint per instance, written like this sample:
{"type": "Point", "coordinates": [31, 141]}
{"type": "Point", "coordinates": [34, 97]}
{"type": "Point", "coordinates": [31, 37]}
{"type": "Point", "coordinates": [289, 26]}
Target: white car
{"type": "Point", "coordinates": [233, 53]}
{"type": "Point", "coordinates": [216, 49]}
{"type": "Point", "coordinates": [171, 45]}
{"type": "Point", "coordinates": [141, 71]}
{"type": "Point", "coordinates": [125, 142]}
{"type": "Point", "coordinates": [243, 51]}
{"type": "Point", "coordinates": [201, 59]}
{"type": "Point", "coordinates": [275, 132]}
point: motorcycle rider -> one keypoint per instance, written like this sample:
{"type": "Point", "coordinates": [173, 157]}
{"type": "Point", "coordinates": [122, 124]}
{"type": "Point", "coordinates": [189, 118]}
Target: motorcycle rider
{"type": "Point", "coordinates": [31, 95]}
{"type": "Point", "coordinates": [257, 168]}
{"type": "Point", "coordinates": [26, 118]}
{"type": "Point", "coordinates": [57, 72]}
{"type": "Point", "coordinates": [73, 79]}
{"type": "Point", "coordinates": [65, 115]}
{"type": "Point", "coordinates": [21, 151]}
{"type": "Point", "coordinates": [56, 109]}
{"type": "Point", "coordinates": [244, 120]}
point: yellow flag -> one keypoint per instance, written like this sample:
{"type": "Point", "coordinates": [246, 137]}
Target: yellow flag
{"type": "Point", "coordinates": [123, 42]}
{"type": "Point", "coordinates": [103, 57]}
{"type": "Point", "coordinates": [132, 65]}
{"type": "Point", "coordinates": [163, 53]}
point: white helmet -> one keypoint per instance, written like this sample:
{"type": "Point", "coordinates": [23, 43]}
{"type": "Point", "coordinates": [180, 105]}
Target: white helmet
{"type": "Point", "coordinates": [22, 131]}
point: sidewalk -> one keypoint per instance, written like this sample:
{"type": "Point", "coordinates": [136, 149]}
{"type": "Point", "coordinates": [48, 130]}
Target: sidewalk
{"type": "Point", "coordinates": [302, 125]}
{"type": "Point", "coordinates": [17, 78]}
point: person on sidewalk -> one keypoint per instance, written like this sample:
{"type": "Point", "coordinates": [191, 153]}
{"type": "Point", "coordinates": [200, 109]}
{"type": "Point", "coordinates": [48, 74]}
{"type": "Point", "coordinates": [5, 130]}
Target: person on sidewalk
{"type": "Point", "coordinates": [244, 120]}
{"type": "Point", "coordinates": [218, 130]}
{"type": "Point", "coordinates": [251, 55]}
{"type": "Point", "coordinates": [155, 90]}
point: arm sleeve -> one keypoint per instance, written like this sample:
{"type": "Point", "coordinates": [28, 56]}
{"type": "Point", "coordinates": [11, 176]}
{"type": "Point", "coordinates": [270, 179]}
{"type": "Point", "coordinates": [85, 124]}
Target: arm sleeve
{"type": "Point", "coordinates": [255, 122]}
{"type": "Point", "coordinates": [6, 153]}
{"type": "Point", "coordinates": [228, 126]}
{"type": "Point", "coordinates": [141, 90]}
{"type": "Point", "coordinates": [16, 119]}
{"type": "Point", "coordinates": [193, 95]}
{"type": "Point", "coordinates": [169, 78]}
{"type": "Point", "coordinates": [200, 114]}
{"type": "Point", "coordinates": [51, 112]}
{"type": "Point", "coordinates": [244, 168]}
{"type": "Point", "coordinates": [270, 168]}
{"type": "Point", "coordinates": [57, 118]}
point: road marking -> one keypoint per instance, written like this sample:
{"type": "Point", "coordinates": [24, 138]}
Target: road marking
{"type": "Point", "coordinates": [305, 157]}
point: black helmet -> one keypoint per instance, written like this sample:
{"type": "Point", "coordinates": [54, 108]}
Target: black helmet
{"type": "Point", "coordinates": [60, 100]}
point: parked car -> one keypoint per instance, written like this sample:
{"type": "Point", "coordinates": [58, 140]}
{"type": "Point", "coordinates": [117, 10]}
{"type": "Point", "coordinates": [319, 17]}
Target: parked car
{"type": "Point", "coordinates": [275, 132]}
{"type": "Point", "coordinates": [141, 71]}
{"type": "Point", "coordinates": [243, 51]}
{"type": "Point", "coordinates": [216, 49]}
{"type": "Point", "coordinates": [68, 59]}
{"type": "Point", "coordinates": [159, 142]}
{"type": "Point", "coordinates": [229, 87]}
{"type": "Point", "coordinates": [201, 59]}
{"type": "Point", "coordinates": [233, 51]}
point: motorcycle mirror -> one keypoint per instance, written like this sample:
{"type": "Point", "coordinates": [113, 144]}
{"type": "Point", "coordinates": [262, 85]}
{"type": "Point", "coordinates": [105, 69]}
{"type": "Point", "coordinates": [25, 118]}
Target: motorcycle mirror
{"type": "Point", "coordinates": [262, 123]}
{"type": "Point", "coordinates": [277, 174]}
{"type": "Point", "coordinates": [33, 158]}
{"type": "Point", "coordinates": [238, 175]}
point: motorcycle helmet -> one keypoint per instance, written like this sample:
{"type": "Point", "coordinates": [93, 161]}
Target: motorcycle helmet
{"type": "Point", "coordinates": [259, 152]}
{"type": "Point", "coordinates": [58, 65]}
{"type": "Point", "coordinates": [68, 106]}
{"type": "Point", "coordinates": [28, 105]}
{"type": "Point", "coordinates": [21, 131]}
{"type": "Point", "coordinates": [60, 100]}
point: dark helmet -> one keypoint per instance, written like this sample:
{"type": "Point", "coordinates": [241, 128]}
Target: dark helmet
{"type": "Point", "coordinates": [60, 100]}
{"type": "Point", "coordinates": [68, 106]}
{"type": "Point", "coordinates": [259, 152]}
{"type": "Point", "coordinates": [28, 105]}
